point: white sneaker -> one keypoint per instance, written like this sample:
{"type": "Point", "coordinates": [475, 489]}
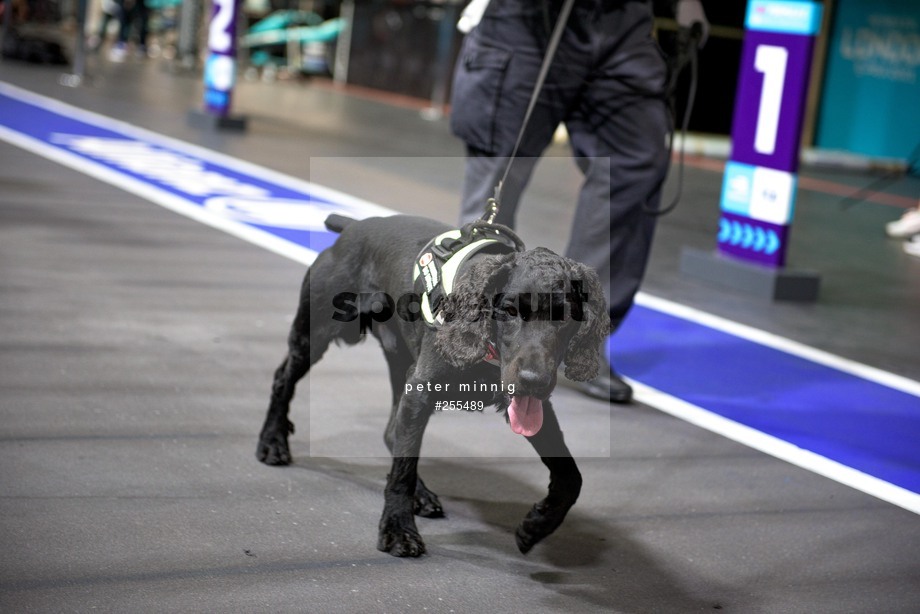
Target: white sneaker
{"type": "Point", "coordinates": [907, 226]}
{"type": "Point", "coordinates": [912, 246]}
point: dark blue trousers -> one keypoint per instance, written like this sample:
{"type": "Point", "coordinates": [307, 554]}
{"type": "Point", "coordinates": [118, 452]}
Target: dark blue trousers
{"type": "Point", "coordinates": [607, 85]}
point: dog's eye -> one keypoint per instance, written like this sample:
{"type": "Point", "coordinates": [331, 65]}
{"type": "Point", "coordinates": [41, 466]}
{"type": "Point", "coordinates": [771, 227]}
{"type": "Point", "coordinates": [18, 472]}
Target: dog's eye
{"type": "Point", "coordinates": [511, 311]}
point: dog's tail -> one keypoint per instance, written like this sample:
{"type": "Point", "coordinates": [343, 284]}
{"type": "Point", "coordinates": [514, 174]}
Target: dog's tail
{"type": "Point", "coordinates": [337, 223]}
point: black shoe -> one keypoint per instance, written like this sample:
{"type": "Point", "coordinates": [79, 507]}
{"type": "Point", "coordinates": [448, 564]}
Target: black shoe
{"type": "Point", "coordinates": [607, 385]}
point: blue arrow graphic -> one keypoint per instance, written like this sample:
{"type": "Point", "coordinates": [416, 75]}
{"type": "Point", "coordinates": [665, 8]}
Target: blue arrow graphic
{"type": "Point", "coordinates": [748, 236]}
{"type": "Point", "coordinates": [736, 233]}
{"type": "Point", "coordinates": [760, 239]}
{"type": "Point", "coordinates": [772, 242]}
{"type": "Point", "coordinates": [725, 230]}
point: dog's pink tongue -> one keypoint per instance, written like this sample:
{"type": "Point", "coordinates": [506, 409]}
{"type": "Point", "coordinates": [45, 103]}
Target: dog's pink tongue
{"type": "Point", "coordinates": [526, 415]}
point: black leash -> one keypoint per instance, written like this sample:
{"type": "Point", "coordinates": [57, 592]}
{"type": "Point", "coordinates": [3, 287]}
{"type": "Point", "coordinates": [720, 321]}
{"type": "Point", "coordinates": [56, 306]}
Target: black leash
{"type": "Point", "coordinates": [494, 203]}
{"type": "Point", "coordinates": [688, 41]}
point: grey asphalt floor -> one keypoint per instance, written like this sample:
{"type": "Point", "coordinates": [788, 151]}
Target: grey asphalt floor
{"type": "Point", "coordinates": [136, 353]}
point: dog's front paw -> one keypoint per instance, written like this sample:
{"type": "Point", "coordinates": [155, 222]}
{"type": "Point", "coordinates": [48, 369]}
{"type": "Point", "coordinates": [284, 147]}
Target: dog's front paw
{"type": "Point", "coordinates": [540, 521]}
{"type": "Point", "coordinates": [400, 539]}
{"type": "Point", "coordinates": [273, 445]}
{"type": "Point", "coordinates": [274, 451]}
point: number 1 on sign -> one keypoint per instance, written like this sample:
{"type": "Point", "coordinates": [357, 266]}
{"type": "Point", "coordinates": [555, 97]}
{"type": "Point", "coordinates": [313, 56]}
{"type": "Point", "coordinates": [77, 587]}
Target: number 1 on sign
{"type": "Point", "coordinates": [771, 61]}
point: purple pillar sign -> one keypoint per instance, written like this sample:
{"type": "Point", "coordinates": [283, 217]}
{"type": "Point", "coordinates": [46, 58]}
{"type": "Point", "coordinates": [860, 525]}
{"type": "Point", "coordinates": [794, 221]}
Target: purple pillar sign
{"type": "Point", "coordinates": [220, 67]}
{"type": "Point", "coordinates": [758, 190]}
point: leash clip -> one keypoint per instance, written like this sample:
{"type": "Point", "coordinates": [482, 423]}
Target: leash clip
{"type": "Point", "coordinates": [491, 210]}
{"type": "Point", "coordinates": [492, 205]}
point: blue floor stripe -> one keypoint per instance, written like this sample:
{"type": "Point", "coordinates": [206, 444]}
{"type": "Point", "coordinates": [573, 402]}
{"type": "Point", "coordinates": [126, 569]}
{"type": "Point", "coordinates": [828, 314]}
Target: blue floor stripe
{"type": "Point", "coordinates": [195, 179]}
{"type": "Point", "coordinates": [859, 423]}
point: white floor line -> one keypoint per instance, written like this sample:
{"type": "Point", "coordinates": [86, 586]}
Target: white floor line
{"type": "Point", "coordinates": [776, 447]}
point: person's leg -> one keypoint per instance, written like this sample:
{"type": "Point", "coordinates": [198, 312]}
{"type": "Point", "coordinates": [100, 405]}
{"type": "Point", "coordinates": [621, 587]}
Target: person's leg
{"type": "Point", "coordinates": [483, 173]}
{"type": "Point", "coordinates": [141, 22]}
{"type": "Point", "coordinates": [618, 136]}
{"type": "Point", "coordinates": [118, 51]}
{"type": "Point", "coordinates": [95, 42]}
{"type": "Point", "coordinates": [125, 17]}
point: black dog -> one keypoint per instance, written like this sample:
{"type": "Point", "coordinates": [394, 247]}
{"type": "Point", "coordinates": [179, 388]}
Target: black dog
{"type": "Point", "coordinates": [533, 309]}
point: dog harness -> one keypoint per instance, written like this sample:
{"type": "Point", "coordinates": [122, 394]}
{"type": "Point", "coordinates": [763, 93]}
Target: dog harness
{"type": "Point", "coordinates": [439, 262]}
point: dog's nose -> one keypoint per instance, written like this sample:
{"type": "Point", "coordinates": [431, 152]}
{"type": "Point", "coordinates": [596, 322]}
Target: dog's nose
{"type": "Point", "coordinates": [534, 380]}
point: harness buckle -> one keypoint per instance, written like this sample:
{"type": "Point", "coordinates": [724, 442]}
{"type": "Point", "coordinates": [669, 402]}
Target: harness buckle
{"type": "Point", "coordinates": [491, 209]}
{"type": "Point", "coordinates": [441, 250]}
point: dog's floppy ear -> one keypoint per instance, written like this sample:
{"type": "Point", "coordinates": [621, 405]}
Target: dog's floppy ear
{"type": "Point", "coordinates": [464, 336]}
{"type": "Point", "coordinates": [583, 353]}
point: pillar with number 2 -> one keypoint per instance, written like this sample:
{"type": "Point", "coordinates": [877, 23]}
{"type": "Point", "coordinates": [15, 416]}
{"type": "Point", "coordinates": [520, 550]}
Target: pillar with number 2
{"type": "Point", "coordinates": [758, 191]}
{"type": "Point", "coordinates": [220, 71]}
{"type": "Point", "coordinates": [220, 67]}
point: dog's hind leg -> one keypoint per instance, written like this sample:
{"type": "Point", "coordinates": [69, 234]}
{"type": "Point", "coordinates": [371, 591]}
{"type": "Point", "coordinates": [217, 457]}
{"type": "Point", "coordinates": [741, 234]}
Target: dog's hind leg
{"type": "Point", "coordinates": [305, 348]}
{"type": "Point", "coordinates": [273, 440]}
{"type": "Point", "coordinates": [564, 484]}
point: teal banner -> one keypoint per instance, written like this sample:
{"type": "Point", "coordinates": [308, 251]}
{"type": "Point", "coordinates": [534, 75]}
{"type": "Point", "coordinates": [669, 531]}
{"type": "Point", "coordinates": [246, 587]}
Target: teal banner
{"type": "Point", "coordinates": [871, 98]}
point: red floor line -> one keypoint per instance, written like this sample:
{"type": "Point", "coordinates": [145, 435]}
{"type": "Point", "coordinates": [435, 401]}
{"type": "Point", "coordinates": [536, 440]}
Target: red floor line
{"type": "Point", "coordinates": [812, 184]}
